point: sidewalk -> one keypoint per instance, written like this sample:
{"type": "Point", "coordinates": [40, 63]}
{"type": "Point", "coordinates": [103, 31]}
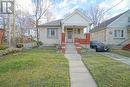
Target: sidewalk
{"type": "Point", "coordinates": [79, 75]}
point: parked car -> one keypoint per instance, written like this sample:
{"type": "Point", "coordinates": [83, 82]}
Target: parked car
{"type": "Point", "coordinates": [99, 47]}
{"type": "Point", "coordinates": [93, 44]}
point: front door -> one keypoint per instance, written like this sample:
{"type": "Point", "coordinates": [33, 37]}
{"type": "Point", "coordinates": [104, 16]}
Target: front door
{"type": "Point", "coordinates": [69, 36]}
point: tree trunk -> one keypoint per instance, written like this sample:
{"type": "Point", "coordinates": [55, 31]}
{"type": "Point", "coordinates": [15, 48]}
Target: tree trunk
{"type": "Point", "coordinates": [37, 30]}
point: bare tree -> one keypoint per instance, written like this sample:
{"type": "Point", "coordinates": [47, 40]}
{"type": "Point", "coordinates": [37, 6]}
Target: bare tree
{"type": "Point", "coordinates": [49, 16]}
{"type": "Point", "coordinates": [24, 22]}
{"type": "Point", "coordinates": [95, 14]}
{"type": "Point", "coordinates": [20, 21]}
{"type": "Point", "coordinates": [41, 7]}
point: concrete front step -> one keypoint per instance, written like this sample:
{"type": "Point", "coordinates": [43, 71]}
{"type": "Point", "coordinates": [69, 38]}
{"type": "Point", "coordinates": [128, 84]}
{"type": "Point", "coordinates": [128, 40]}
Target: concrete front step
{"type": "Point", "coordinates": [71, 52]}
{"type": "Point", "coordinates": [70, 49]}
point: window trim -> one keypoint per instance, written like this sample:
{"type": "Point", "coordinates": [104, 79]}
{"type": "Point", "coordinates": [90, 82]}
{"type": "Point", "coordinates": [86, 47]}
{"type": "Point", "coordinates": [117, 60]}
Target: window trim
{"type": "Point", "coordinates": [49, 32]}
{"type": "Point", "coordinates": [119, 34]}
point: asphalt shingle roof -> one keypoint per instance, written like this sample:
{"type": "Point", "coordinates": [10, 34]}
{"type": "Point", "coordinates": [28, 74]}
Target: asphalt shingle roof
{"type": "Point", "coordinates": [55, 23]}
{"type": "Point", "coordinates": [104, 24]}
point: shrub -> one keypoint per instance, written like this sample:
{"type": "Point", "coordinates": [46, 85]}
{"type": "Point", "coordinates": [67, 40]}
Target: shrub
{"type": "Point", "coordinates": [39, 43]}
{"type": "Point", "coordinates": [9, 51]}
{"type": "Point", "coordinates": [19, 45]}
{"type": "Point", "coordinates": [2, 47]}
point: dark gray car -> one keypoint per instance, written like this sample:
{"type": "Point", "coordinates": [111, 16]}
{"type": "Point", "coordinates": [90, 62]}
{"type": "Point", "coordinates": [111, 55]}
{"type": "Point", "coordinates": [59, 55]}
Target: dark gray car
{"type": "Point", "coordinates": [99, 47]}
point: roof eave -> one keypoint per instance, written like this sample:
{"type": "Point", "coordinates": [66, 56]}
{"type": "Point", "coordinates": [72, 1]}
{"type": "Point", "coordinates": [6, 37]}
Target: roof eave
{"type": "Point", "coordinates": [49, 26]}
{"type": "Point", "coordinates": [96, 30]}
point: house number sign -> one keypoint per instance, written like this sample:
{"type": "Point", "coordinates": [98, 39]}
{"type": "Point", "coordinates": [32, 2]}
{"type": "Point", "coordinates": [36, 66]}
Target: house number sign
{"type": "Point", "coordinates": [6, 7]}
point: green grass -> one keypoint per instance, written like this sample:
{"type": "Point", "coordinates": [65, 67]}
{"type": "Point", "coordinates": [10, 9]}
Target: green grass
{"type": "Point", "coordinates": [107, 72]}
{"type": "Point", "coordinates": [121, 52]}
{"type": "Point", "coordinates": [35, 68]}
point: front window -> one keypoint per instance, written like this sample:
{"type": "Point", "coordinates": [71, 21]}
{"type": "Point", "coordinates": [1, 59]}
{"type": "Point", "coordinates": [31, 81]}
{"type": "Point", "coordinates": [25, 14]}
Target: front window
{"type": "Point", "coordinates": [52, 32]}
{"type": "Point", "coordinates": [119, 33]}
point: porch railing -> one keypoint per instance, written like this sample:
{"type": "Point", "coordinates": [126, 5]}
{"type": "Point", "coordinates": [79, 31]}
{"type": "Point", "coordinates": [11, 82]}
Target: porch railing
{"type": "Point", "coordinates": [81, 41]}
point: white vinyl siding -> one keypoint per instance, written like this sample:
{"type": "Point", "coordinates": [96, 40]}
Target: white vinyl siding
{"type": "Point", "coordinates": [52, 33]}
{"type": "Point", "coordinates": [118, 33]}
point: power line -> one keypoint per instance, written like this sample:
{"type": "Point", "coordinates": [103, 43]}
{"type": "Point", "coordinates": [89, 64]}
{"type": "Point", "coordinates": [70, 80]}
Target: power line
{"type": "Point", "coordinates": [113, 6]}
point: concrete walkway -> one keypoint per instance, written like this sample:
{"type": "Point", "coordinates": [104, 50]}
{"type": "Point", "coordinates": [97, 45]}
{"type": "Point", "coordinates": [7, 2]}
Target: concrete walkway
{"type": "Point", "coordinates": [120, 58]}
{"type": "Point", "coordinates": [79, 74]}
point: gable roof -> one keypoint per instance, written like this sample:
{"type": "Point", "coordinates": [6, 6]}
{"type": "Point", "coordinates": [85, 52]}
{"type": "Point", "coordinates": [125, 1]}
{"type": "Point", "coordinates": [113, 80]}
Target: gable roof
{"type": "Point", "coordinates": [104, 24]}
{"type": "Point", "coordinates": [55, 23]}
{"type": "Point", "coordinates": [76, 12]}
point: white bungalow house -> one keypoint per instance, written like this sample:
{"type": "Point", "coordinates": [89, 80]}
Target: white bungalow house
{"type": "Point", "coordinates": [114, 31]}
{"type": "Point", "coordinates": [67, 30]}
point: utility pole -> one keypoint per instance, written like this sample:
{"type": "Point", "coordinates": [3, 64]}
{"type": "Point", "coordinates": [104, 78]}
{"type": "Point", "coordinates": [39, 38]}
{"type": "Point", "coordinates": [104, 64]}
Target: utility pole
{"type": "Point", "coordinates": [9, 30]}
{"type": "Point", "coordinates": [14, 26]}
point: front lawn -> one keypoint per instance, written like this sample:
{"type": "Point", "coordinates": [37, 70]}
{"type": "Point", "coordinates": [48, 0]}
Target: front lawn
{"type": "Point", "coordinates": [121, 52]}
{"type": "Point", "coordinates": [107, 72]}
{"type": "Point", "coordinates": [34, 68]}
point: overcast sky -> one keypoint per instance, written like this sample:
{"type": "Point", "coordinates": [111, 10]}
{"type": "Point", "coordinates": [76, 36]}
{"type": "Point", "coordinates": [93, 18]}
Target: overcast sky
{"type": "Point", "coordinates": [62, 7]}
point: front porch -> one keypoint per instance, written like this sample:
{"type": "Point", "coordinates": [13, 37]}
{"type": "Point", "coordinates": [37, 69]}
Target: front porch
{"type": "Point", "coordinates": [74, 35]}
{"type": "Point", "coordinates": [73, 32]}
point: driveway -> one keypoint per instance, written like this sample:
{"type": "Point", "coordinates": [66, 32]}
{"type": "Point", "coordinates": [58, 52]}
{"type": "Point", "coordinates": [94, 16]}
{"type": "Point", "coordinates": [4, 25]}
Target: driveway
{"type": "Point", "coordinates": [117, 57]}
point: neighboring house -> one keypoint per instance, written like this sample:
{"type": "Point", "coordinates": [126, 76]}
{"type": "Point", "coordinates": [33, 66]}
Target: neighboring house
{"type": "Point", "coordinates": [114, 31]}
{"type": "Point", "coordinates": [67, 30]}
{"type": "Point", "coordinates": [1, 35]}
